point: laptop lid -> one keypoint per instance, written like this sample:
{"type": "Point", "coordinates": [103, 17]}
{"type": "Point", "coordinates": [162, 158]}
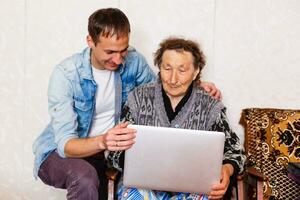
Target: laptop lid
{"type": "Point", "coordinates": [175, 160]}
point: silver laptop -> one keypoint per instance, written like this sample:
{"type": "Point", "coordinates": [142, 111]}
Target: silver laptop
{"type": "Point", "coordinates": [175, 160]}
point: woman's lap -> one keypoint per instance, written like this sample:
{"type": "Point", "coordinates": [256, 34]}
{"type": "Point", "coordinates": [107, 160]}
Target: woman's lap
{"type": "Point", "coordinates": [136, 194]}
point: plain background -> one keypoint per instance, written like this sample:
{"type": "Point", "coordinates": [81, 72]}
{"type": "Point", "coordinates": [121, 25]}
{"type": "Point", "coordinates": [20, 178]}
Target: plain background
{"type": "Point", "coordinates": [252, 49]}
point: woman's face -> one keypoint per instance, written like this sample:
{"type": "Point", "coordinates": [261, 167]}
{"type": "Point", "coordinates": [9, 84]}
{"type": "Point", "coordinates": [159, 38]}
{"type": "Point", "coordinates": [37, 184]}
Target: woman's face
{"type": "Point", "coordinates": [177, 72]}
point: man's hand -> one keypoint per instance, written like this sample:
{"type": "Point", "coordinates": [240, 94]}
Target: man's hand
{"type": "Point", "coordinates": [220, 189]}
{"type": "Point", "coordinates": [118, 138]}
{"type": "Point", "coordinates": [211, 89]}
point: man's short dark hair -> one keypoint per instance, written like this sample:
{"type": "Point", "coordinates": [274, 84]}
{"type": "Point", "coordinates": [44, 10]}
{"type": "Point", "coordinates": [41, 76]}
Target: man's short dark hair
{"type": "Point", "coordinates": [108, 22]}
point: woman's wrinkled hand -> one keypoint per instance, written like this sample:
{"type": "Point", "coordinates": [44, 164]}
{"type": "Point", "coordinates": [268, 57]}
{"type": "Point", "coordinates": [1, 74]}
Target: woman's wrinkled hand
{"type": "Point", "coordinates": [220, 189]}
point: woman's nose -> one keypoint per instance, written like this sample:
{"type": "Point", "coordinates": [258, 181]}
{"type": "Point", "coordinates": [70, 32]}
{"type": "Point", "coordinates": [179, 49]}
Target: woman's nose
{"type": "Point", "coordinates": [173, 78]}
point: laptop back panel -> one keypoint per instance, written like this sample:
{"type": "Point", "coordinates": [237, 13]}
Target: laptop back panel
{"type": "Point", "coordinates": [177, 160]}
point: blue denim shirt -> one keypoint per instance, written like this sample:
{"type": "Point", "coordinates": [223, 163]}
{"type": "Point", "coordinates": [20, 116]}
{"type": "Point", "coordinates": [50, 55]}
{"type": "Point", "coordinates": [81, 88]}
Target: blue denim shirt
{"type": "Point", "coordinates": [71, 98]}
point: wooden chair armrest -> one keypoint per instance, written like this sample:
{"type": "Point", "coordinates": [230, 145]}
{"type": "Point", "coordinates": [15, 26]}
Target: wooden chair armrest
{"type": "Point", "coordinates": [240, 186]}
{"type": "Point", "coordinates": [111, 174]}
{"type": "Point", "coordinates": [251, 175]}
{"type": "Point", "coordinates": [252, 171]}
{"type": "Point", "coordinates": [240, 176]}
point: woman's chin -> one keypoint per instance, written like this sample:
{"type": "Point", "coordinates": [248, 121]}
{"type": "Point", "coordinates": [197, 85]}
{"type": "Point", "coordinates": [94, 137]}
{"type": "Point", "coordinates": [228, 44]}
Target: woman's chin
{"type": "Point", "coordinates": [173, 94]}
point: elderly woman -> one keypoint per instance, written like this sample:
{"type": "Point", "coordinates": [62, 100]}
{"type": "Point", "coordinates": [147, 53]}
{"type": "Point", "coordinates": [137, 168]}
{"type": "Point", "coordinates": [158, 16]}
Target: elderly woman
{"type": "Point", "coordinates": [174, 100]}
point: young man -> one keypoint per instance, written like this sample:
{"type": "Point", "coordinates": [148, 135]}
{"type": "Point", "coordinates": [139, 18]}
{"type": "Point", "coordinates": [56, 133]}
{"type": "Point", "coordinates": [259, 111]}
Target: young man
{"type": "Point", "coordinates": [86, 93]}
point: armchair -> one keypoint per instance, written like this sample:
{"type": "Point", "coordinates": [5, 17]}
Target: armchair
{"type": "Point", "coordinates": [111, 175]}
{"type": "Point", "coordinates": [272, 140]}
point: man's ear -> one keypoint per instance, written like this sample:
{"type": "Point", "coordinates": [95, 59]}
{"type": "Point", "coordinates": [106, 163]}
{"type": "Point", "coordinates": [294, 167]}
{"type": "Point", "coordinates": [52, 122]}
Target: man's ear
{"type": "Point", "coordinates": [90, 41]}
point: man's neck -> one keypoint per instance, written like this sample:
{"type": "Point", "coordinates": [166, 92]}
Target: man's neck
{"type": "Point", "coordinates": [96, 64]}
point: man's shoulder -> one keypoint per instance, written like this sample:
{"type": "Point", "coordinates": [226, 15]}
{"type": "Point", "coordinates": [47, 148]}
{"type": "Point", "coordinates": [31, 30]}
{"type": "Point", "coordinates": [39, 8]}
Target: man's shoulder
{"type": "Point", "coordinates": [73, 62]}
{"type": "Point", "coordinates": [134, 56]}
{"type": "Point", "coordinates": [136, 68]}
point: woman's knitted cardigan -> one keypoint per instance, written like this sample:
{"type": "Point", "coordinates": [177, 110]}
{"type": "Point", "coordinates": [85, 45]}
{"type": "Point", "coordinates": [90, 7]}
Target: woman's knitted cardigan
{"type": "Point", "coordinates": [145, 106]}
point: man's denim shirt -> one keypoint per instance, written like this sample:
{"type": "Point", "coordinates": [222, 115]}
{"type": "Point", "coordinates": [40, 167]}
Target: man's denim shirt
{"type": "Point", "coordinates": [71, 98]}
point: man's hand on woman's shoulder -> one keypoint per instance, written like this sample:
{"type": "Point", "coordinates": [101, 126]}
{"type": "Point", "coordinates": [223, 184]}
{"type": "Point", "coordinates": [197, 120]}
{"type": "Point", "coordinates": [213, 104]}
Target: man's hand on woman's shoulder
{"type": "Point", "coordinates": [211, 89]}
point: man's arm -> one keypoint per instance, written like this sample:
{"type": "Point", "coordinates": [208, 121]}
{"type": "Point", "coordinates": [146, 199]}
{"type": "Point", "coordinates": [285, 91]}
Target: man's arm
{"type": "Point", "coordinates": [64, 123]}
{"type": "Point", "coordinates": [144, 72]}
{"type": "Point", "coordinates": [61, 109]}
{"type": "Point", "coordinates": [117, 138]}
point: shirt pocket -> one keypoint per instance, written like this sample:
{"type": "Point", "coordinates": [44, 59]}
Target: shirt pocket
{"type": "Point", "coordinates": [83, 105]}
{"type": "Point", "coordinates": [126, 88]}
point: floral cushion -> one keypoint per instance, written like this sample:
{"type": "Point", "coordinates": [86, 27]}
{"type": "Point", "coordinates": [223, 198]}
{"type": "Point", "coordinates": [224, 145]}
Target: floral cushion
{"type": "Point", "coordinates": [272, 140]}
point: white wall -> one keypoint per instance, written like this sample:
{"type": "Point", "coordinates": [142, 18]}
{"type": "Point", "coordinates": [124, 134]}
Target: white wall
{"type": "Point", "coordinates": [251, 46]}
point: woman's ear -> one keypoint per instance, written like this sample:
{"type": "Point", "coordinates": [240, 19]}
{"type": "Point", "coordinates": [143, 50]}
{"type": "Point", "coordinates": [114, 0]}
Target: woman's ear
{"type": "Point", "coordinates": [196, 74]}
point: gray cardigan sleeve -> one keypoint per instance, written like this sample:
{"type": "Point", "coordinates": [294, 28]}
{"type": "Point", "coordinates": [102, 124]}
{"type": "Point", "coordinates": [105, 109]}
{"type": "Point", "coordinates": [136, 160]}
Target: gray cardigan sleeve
{"type": "Point", "coordinates": [115, 159]}
{"type": "Point", "coordinates": [233, 151]}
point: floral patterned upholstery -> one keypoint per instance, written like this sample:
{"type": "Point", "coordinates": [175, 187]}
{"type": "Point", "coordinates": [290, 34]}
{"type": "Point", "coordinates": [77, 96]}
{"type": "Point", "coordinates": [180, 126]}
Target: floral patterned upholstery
{"type": "Point", "coordinates": [272, 140]}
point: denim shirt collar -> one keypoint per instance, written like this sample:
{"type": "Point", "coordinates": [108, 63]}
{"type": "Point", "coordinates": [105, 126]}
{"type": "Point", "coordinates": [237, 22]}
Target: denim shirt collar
{"type": "Point", "coordinates": [85, 69]}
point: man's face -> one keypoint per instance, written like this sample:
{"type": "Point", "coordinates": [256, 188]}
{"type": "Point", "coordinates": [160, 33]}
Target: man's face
{"type": "Point", "coordinates": [109, 51]}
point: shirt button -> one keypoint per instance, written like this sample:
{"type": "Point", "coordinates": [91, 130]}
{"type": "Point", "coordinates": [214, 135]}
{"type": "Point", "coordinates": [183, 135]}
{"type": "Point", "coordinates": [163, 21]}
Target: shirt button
{"type": "Point", "coordinates": [176, 126]}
